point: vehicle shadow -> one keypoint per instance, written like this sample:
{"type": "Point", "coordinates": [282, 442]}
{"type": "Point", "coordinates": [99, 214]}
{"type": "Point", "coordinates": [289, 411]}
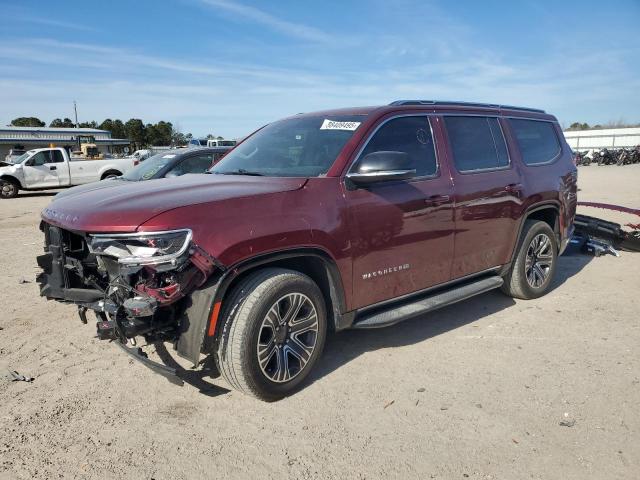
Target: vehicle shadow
{"type": "Point", "coordinates": [343, 347]}
{"type": "Point", "coordinates": [36, 194]}
{"type": "Point", "coordinates": [195, 378]}
{"type": "Point", "coordinates": [570, 264]}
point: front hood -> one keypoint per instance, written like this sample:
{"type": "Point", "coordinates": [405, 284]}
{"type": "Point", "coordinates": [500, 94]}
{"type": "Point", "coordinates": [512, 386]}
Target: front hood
{"type": "Point", "coordinates": [87, 187]}
{"type": "Point", "coordinates": [7, 168]}
{"type": "Point", "coordinates": [127, 205]}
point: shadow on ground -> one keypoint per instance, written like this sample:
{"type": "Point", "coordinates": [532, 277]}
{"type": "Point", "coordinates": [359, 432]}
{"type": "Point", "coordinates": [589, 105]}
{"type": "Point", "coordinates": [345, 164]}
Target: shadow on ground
{"type": "Point", "coordinates": [46, 193]}
{"type": "Point", "coordinates": [343, 347]}
{"type": "Point", "coordinates": [195, 378]}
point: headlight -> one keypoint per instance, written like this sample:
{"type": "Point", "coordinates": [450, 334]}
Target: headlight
{"type": "Point", "coordinates": [142, 248]}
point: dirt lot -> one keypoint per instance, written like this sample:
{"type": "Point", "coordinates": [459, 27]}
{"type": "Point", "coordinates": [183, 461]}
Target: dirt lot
{"type": "Point", "coordinates": [477, 390]}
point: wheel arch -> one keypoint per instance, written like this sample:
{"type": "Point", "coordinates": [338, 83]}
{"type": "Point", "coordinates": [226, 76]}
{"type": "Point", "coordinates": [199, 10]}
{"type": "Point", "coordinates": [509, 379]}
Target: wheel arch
{"type": "Point", "coordinates": [548, 212]}
{"type": "Point", "coordinates": [313, 262]}
{"type": "Point", "coordinates": [110, 171]}
{"type": "Point", "coordinates": [201, 317]}
{"type": "Point", "coordinates": [12, 179]}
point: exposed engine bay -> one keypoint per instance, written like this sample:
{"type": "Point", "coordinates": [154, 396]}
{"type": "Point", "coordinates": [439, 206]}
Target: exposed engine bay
{"type": "Point", "coordinates": [133, 282]}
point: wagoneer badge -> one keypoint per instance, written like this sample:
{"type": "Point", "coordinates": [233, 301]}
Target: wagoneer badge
{"type": "Point", "coordinates": [385, 271]}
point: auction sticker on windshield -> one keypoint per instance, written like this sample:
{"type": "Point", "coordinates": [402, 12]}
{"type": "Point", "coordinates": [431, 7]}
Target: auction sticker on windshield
{"type": "Point", "coordinates": [334, 125]}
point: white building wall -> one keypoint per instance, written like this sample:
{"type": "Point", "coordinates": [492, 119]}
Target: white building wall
{"type": "Point", "coordinates": [603, 138]}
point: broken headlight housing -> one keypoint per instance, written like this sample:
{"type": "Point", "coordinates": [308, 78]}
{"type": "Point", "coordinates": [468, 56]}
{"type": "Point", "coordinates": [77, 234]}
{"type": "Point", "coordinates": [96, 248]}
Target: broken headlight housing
{"type": "Point", "coordinates": [144, 248]}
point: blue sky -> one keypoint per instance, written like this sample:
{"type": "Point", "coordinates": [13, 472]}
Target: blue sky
{"type": "Point", "coordinates": [229, 66]}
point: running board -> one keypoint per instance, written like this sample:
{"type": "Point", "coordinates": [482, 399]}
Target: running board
{"type": "Point", "coordinates": [392, 315]}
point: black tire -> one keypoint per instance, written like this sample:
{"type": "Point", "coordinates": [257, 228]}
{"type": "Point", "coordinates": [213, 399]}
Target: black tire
{"type": "Point", "coordinates": [8, 189]}
{"type": "Point", "coordinates": [246, 329]}
{"type": "Point", "coordinates": [524, 279]}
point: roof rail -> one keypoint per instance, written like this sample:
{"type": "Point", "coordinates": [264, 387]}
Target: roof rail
{"type": "Point", "coordinates": [464, 104]}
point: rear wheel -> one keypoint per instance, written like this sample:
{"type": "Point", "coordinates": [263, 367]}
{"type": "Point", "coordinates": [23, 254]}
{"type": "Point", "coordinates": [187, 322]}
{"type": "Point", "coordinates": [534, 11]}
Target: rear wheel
{"type": "Point", "coordinates": [533, 268]}
{"type": "Point", "coordinates": [273, 333]}
{"type": "Point", "coordinates": [8, 189]}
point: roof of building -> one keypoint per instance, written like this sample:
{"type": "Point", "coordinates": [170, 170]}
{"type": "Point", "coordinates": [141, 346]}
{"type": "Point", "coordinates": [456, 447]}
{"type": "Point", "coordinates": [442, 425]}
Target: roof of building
{"type": "Point", "coordinates": [11, 128]}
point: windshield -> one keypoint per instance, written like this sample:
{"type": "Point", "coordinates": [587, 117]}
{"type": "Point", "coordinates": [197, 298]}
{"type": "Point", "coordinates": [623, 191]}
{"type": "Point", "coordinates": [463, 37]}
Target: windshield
{"type": "Point", "coordinates": [149, 167]}
{"type": "Point", "coordinates": [22, 157]}
{"type": "Point", "coordinates": [297, 147]}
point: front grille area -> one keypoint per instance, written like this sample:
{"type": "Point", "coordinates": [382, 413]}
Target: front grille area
{"type": "Point", "coordinates": [69, 270]}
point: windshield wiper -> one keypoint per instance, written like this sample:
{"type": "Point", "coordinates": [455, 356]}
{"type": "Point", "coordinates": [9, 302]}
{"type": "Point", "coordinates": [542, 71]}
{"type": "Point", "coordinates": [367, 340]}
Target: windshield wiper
{"type": "Point", "coordinates": [241, 171]}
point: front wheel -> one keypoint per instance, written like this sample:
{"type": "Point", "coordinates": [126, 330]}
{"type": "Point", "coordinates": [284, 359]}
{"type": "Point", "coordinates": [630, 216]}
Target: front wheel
{"type": "Point", "coordinates": [8, 189]}
{"type": "Point", "coordinates": [533, 268]}
{"type": "Point", "coordinates": [273, 333]}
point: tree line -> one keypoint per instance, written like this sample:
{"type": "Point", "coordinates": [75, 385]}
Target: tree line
{"type": "Point", "coordinates": [586, 126]}
{"type": "Point", "coordinates": [135, 130]}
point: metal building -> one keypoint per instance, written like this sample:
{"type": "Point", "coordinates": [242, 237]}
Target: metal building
{"type": "Point", "coordinates": [603, 138]}
{"type": "Point", "coordinates": [26, 138]}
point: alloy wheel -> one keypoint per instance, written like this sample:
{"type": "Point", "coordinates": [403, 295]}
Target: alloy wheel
{"type": "Point", "coordinates": [287, 337]}
{"type": "Point", "coordinates": [7, 189]}
{"type": "Point", "coordinates": [539, 260]}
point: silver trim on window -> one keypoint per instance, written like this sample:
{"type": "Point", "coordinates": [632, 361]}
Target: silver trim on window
{"type": "Point", "coordinates": [436, 174]}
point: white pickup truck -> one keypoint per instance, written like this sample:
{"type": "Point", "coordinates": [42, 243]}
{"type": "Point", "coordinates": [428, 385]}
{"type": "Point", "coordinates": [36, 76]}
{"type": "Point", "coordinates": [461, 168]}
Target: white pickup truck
{"type": "Point", "coordinates": [44, 168]}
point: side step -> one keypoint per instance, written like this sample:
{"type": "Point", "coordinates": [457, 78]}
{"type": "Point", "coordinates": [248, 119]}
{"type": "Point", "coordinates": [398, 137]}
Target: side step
{"type": "Point", "coordinates": [394, 314]}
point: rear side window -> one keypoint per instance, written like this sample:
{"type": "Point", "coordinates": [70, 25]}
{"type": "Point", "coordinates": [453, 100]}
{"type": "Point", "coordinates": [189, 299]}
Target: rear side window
{"type": "Point", "coordinates": [477, 143]}
{"type": "Point", "coordinates": [537, 140]}
{"type": "Point", "coordinates": [57, 156]}
{"type": "Point", "coordinates": [410, 135]}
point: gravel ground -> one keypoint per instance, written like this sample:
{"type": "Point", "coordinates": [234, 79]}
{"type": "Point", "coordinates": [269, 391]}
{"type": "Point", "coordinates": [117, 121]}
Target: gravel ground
{"type": "Point", "coordinates": [489, 388]}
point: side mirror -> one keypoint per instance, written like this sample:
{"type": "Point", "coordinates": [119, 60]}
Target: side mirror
{"type": "Point", "coordinates": [172, 174]}
{"type": "Point", "coordinates": [382, 166]}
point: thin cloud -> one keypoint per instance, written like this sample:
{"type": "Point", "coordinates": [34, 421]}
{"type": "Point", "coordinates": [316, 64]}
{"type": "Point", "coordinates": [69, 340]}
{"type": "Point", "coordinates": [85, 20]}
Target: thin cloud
{"type": "Point", "coordinates": [104, 58]}
{"type": "Point", "coordinates": [256, 15]}
{"type": "Point", "coordinates": [54, 23]}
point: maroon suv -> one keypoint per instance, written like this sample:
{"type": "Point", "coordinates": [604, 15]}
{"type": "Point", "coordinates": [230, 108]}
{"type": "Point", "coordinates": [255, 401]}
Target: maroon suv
{"type": "Point", "coordinates": [353, 218]}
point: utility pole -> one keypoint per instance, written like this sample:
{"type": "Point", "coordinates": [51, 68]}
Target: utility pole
{"type": "Point", "coordinates": [75, 109]}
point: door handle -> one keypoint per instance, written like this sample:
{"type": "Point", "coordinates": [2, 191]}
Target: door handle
{"type": "Point", "coordinates": [53, 167]}
{"type": "Point", "coordinates": [435, 200]}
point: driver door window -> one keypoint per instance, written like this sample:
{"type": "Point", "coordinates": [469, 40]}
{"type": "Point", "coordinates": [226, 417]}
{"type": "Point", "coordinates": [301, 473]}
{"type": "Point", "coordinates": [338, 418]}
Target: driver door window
{"type": "Point", "coordinates": [410, 135]}
{"type": "Point", "coordinates": [39, 159]}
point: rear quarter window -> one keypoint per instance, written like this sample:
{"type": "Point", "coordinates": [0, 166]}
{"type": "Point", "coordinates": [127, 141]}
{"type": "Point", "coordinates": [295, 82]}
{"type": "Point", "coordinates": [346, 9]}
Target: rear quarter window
{"type": "Point", "coordinates": [537, 140]}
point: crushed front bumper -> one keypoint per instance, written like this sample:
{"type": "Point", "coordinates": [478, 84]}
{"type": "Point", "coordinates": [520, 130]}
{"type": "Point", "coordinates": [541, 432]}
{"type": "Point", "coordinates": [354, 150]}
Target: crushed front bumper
{"type": "Point", "coordinates": [124, 305]}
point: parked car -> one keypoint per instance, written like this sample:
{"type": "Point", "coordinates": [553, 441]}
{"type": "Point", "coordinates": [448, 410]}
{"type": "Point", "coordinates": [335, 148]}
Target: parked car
{"type": "Point", "coordinates": [45, 168]}
{"type": "Point", "coordinates": [355, 218]}
{"type": "Point", "coordinates": [173, 163]}
{"type": "Point", "coordinates": [197, 143]}
{"type": "Point", "coordinates": [142, 155]}
{"type": "Point", "coordinates": [219, 142]}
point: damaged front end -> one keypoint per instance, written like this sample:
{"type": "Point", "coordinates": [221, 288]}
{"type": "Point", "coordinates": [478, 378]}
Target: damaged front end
{"type": "Point", "coordinates": [133, 282]}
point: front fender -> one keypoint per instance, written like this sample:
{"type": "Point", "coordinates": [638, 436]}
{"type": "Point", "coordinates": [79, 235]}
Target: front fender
{"type": "Point", "coordinates": [12, 173]}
